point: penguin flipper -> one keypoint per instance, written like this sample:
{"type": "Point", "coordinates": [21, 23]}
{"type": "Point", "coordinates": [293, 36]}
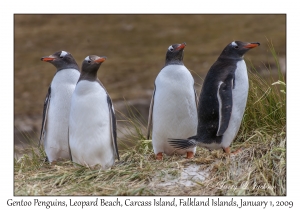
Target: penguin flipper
{"type": "Point", "coordinates": [45, 113]}
{"type": "Point", "coordinates": [224, 96]}
{"type": "Point", "coordinates": [70, 153]}
{"type": "Point", "coordinates": [113, 123]}
{"type": "Point", "coordinates": [196, 98]}
{"type": "Point", "coordinates": [149, 127]}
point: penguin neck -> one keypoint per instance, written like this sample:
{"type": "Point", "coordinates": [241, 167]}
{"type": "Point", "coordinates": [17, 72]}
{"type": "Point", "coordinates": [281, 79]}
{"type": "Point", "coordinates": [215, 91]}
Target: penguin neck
{"type": "Point", "coordinates": [69, 66]}
{"type": "Point", "coordinates": [227, 57]}
{"type": "Point", "coordinates": [174, 62]}
{"type": "Point", "coordinates": [90, 76]}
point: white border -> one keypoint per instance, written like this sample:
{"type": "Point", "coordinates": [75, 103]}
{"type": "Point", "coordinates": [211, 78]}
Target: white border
{"type": "Point", "coordinates": [138, 7]}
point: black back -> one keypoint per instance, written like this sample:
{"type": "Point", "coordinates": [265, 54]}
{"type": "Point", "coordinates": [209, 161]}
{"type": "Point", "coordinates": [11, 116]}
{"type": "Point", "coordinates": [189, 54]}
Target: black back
{"type": "Point", "coordinates": [208, 106]}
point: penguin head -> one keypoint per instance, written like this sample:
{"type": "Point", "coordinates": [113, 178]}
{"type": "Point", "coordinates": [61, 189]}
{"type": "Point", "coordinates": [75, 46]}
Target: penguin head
{"type": "Point", "coordinates": [237, 49]}
{"type": "Point", "coordinates": [90, 66]}
{"type": "Point", "coordinates": [61, 60]}
{"type": "Point", "coordinates": [92, 63]}
{"type": "Point", "coordinates": [175, 54]}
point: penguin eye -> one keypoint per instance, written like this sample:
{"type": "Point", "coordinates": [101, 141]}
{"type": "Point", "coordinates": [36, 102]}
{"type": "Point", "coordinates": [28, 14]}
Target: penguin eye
{"type": "Point", "coordinates": [171, 48]}
{"type": "Point", "coordinates": [63, 54]}
{"type": "Point", "coordinates": [236, 47]}
{"type": "Point", "coordinates": [89, 61]}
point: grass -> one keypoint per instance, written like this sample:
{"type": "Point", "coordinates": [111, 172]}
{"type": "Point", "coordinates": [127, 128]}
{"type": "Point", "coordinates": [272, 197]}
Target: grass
{"type": "Point", "coordinates": [260, 169]}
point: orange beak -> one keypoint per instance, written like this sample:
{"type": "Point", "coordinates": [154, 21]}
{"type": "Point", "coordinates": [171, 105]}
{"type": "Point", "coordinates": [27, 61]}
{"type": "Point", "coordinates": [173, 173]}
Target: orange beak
{"type": "Point", "coordinates": [100, 60]}
{"type": "Point", "coordinates": [47, 59]}
{"type": "Point", "coordinates": [182, 46]}
{"type": "Point", "coordinates": [252, 45]}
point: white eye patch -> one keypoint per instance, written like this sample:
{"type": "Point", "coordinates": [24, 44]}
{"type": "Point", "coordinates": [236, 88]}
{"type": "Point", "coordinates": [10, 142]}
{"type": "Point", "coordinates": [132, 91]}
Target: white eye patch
{"type": "Point", "coordinates": [170, 48]}
{"type": "Point", "coordinates": [63, 53]}
{"type": "Point", "coordinates": [87, 58]}
{"type": "Point", "coordinates": [233, 44]}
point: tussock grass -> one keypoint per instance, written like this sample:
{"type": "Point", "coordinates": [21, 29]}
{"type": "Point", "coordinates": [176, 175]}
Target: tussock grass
{"type": "Point", "coordinates": [259, 169]}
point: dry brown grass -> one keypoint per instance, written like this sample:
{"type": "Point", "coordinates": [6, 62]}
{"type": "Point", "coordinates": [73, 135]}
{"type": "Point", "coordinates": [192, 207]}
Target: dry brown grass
{"type": "Point", "coordinates": [258, 170]}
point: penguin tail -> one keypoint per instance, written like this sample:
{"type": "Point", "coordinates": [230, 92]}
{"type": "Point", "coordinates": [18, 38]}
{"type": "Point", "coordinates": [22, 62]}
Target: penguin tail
{"type": "Point", "coordinates": [183, 143]}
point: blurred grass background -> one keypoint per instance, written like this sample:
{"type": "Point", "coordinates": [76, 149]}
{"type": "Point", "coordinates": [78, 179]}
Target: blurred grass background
{"type": "Point", "coordinates": [135, 46]}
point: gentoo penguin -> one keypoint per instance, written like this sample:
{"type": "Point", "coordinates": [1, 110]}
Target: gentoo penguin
{"type": "Point", "coordinates": [173, 108]}
{"type": "Point", "coordinates": [56, 111]}
{"type": "Point", "coordinates": [222, 100]}
{"type": "Point", "coordinates": [92, 127]}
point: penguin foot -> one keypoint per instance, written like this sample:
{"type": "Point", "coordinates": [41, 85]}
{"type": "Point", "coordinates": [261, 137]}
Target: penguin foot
{"type": "Point", "coordinates": [189, 155]}
{"type": "Point", "coordinates": [53, 163]}
{"type": "Point", "coordinates": [159, 156]}
{"type": "Point", "coordinates": [237, 151]}
{"type": "Point", "coordinates": [227, 151]}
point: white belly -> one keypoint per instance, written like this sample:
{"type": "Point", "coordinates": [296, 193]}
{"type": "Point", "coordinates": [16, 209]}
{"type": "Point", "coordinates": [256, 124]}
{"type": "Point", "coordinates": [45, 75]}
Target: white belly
{"type": "Point", "coordinates": [239, 100]}
{"type": "Point", "coordinates": [174, 109]}
{"type": "Point", "coordinates": [90, 128]}
{"type": "Point", "coordinates": [56, 131]}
